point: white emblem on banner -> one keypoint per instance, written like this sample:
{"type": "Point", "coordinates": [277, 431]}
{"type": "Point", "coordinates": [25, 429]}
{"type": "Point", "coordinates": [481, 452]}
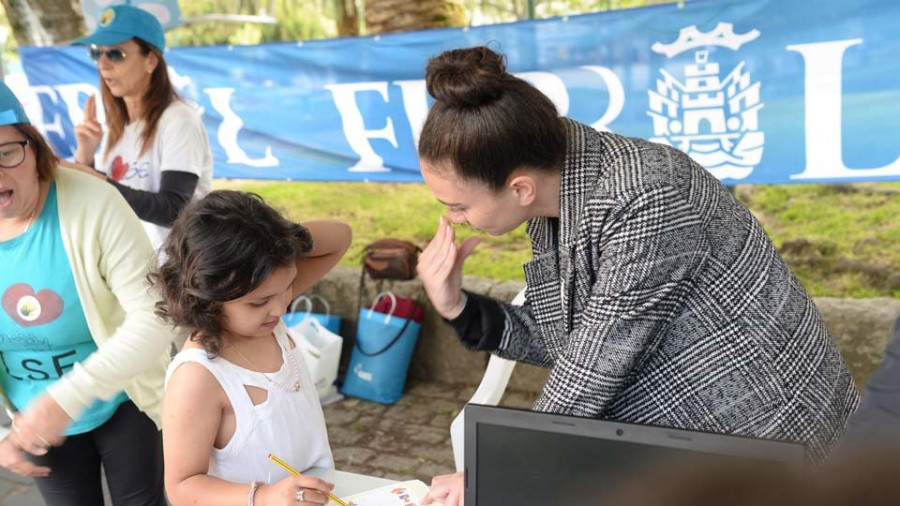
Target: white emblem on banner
{"type": "Point", "coordinates": [714, 120]}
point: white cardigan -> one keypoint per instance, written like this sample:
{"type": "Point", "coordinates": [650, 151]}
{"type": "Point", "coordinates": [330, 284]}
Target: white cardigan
{"type": "Point", "coordinates": [110, 256]}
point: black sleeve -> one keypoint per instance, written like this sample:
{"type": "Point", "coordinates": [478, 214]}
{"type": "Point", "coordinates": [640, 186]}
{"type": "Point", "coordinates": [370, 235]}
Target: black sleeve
{"type": "Point", "coordinates": [878, 416]}
{"type": "Point", "coordinates": [480, 325]}
{"type": "Point", "coordinates": [175, 191]}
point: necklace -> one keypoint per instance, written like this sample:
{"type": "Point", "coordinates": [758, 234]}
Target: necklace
{"type": "Point", "coordinates": [287, 357]}
{"type": "Point", "coordinates": [30, 219]}
{"type": "Point", "coordinates": [33, 212]}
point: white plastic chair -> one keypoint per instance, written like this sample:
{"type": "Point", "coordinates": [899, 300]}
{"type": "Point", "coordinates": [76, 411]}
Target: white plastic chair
{"type": "Point", "coordinates": [489, 392]}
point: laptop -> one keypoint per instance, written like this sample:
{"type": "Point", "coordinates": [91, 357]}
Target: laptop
{"type": "Point", "coordinates": [515, 456]}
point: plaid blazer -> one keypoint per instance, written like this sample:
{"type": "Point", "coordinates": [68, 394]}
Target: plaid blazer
{"type": "Point", "coordinates": [656, 298]}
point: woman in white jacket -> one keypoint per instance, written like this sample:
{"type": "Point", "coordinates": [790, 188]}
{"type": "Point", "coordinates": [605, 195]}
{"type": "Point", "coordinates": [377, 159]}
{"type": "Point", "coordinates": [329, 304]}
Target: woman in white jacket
{"type": "Point", "coordinates": [84, 356]}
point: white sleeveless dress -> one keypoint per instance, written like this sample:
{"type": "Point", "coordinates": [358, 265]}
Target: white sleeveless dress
{"type": "Point", "coordinates": [288, 424]}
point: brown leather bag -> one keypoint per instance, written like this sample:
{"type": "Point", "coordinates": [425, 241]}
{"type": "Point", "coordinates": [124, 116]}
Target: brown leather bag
{"type": "Point", "coordinates": [391, 259]}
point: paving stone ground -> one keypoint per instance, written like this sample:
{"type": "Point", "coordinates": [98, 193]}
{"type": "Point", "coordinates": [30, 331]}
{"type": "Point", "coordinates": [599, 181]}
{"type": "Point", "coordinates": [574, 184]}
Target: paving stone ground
{"type": "Point", "coordinates": [407, 440]}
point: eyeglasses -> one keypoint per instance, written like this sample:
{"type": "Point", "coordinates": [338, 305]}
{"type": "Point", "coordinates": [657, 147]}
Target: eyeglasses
{"type": "Point", "coordinates": [113, 54]}
{"type": "Point", "coordinates": [12, 154]}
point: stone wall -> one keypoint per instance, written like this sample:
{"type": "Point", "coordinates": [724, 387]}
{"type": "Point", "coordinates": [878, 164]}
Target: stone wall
{"type": "Point", "coordinates": [861, 328]}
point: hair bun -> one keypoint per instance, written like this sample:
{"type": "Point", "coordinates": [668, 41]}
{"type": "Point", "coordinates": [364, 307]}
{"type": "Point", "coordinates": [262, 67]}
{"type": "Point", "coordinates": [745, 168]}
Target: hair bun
{"type": "Point", "coordinates": [463, 78]}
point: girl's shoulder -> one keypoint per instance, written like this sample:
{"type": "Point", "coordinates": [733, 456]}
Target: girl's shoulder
{"type": "Point", "coordinates": [193, 368]}
{"type": "Point", "coordinates": [191, 381]}
{"type": "Point", "coordinates": [192, 390]}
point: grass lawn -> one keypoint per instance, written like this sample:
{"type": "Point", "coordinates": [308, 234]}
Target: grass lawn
{"type": "Point", "coordinates": [840, 240]}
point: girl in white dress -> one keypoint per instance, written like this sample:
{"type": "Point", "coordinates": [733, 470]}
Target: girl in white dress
{"type": "Point", "coordinates": [239, 388]}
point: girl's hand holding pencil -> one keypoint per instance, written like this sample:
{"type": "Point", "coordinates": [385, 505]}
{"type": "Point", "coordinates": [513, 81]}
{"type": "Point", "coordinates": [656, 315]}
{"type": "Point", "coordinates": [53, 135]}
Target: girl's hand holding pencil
{"type": "Point", "coordinates": [298, 489]}
{"type": "Point", "coordinates": [294, 490]}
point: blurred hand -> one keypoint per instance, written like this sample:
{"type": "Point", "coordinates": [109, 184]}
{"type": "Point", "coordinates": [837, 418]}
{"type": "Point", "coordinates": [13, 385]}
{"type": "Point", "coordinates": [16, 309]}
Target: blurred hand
{"type": "Point", "coordinates": [12, 458]}
{"type": "Point", "coordinates": [88, 133]}
{"type": "Point", "coordinates": [448, 489]}
{"type": "Point", "coordinates": [40, 426]}
{"type": "Point", "coordinates": [440, 267]}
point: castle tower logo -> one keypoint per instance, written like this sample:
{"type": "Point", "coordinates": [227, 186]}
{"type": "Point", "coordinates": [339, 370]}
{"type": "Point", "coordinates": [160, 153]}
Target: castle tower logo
{"type": "Point", "coordinates": [714, 120]}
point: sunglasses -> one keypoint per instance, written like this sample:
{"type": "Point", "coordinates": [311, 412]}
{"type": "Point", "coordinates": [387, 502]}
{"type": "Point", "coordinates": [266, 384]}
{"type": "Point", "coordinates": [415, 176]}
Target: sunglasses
{"type": "Point", "coordinates": [113, 54]}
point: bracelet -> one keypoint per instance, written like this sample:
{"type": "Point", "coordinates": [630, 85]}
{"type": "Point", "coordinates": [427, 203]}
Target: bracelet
{"type": "Point", "coordinates": [253, 486]}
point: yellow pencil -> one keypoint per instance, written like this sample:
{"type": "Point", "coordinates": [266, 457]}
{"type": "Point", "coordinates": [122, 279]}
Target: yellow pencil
{"type": "Point", "coordinates": [295, 472]}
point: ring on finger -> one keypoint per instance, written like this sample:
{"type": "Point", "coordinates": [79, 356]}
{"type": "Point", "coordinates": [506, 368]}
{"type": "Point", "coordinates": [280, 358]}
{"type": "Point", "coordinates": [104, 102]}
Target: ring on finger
{"type": "Point", "coordinates": [43, 440]}
{"type": "Point", "coordinates": [300, 494]}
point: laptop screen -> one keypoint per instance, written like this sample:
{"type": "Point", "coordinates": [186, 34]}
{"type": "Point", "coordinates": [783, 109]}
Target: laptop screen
{"type": "Point", "coordinates": [523, 457]}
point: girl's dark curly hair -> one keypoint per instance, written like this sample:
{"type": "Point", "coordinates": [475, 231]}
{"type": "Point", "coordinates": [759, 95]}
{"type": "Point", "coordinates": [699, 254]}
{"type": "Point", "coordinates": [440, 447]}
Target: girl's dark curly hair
{"type": "Point", "coordinates": [221, 248]}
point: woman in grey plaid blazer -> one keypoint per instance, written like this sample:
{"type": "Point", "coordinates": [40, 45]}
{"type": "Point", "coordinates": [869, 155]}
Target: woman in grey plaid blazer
{"type": "Point", "coordinates": [654, 297]}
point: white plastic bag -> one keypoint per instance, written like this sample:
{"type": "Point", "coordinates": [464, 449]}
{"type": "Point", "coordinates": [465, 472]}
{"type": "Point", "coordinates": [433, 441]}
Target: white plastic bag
{"type": "Point", "coordinates": [322, 354]}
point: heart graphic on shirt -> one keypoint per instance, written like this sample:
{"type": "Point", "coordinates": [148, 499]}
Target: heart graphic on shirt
{"type": "Point", "coordinates": [29, 309]}
{"type": "Point", "coordinates": [119, 168]}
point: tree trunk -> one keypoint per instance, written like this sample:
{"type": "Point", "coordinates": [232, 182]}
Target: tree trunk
{"type": "Point", "coordinates": [347, 18]}
{"type": "Point", "coordinates": [44, 22]}
{"type": "Point", "coordinates": [385, 16]}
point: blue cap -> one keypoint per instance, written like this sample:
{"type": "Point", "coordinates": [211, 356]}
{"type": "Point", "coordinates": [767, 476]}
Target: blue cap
{"type": "Point", "coordinates": [11, 111]}
{"type": "Point", "coordinates": [122, 22]}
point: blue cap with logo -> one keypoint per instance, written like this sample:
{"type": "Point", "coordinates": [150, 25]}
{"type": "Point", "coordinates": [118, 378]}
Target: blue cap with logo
{"type": "Point", "coordinates": [11, 110]}
{"type": "Point", "coordinates": [122, 22]}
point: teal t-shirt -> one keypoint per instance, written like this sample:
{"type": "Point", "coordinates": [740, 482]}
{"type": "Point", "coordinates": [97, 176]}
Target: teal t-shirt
{"type": "Point", "coordinates": [43, 332]}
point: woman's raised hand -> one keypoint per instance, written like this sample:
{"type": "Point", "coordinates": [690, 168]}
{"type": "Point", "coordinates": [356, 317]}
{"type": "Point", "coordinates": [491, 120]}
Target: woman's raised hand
{"type": "Point", "coordinates": [88, 133]}
{"type": "Point", "coordinates": [440, 267]}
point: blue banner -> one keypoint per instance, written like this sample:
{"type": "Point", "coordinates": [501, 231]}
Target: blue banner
{"type": "Point", "coordinates": [757, 91]}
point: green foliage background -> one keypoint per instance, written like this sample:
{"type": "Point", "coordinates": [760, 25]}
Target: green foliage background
{"type": "Point", "coordinates": [840, 240]}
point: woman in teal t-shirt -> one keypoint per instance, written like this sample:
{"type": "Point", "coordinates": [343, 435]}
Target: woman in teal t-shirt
{"type": "Point", "coordinates": [71, 351]}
